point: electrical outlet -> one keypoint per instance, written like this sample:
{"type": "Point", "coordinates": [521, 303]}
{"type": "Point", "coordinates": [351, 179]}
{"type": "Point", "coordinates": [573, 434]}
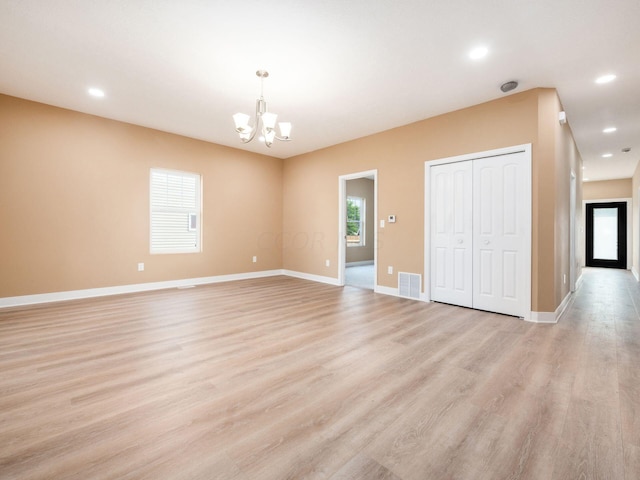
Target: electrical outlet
{"type": "Point", "coordinates": [564, 278]}
{"type": "Point", "coordinates": [255, 259]}
{"type": "Point", "coordinates": [390, 270]}
{"type": "Point", "coordinates": [381, 223]}
{"type": "Point", "coordinates": [141, 267]}
{"type": "Point", "coordinates": [327, 263]}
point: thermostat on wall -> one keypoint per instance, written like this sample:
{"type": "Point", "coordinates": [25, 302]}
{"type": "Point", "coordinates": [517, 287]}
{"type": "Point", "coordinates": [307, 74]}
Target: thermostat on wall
{"type": "Point", "coordinates": [392, 219]}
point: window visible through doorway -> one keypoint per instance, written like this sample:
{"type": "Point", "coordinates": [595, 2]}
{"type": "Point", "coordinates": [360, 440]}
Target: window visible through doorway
{"type": "Point", "coordinates": [355, 221]}
{"type": "Point", "coordinates": [175, 211]}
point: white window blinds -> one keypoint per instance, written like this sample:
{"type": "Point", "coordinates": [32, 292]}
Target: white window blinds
{"type": "Point", "coordinates": [175, 211]}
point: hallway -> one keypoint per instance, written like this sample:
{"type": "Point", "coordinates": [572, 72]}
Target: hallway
{"type": "Point", "coordinates": [360, 276]}
{"type": "Point", "coordinates": [599, 340]}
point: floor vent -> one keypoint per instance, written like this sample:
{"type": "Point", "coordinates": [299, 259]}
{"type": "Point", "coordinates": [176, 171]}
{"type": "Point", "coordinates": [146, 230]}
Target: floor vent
{"type": "Point", "coordinates": [409, 285]}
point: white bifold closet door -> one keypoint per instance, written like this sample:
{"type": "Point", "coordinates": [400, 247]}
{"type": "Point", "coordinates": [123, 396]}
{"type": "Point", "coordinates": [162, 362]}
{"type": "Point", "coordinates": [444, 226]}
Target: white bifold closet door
{"type": "Point", "coordinates": [452, 233]}
{"type": "Point", "coordinates": [479, 242]}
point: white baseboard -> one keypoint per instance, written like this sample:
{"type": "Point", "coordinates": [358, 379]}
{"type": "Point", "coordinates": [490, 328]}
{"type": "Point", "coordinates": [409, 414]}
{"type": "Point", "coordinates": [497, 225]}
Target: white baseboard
{"type": "Point", "coordinates": [313, 278]}
{"type": "Point", "coordinates": [551, 317]}
{"type": "Point", "coordinates": [386, 290]}
{"type": "Point", "coordinates": [395, 292]}
{"type": "Point", "coordinates": [23, 300]}
{"type": "Point", "coordinates": [135, 288]}
{"type": "Point", "coordinates": [542, 317]}
{"type": "Point", "coordinates": [635, 274]}
{"type": "Point", "coordinates": [579, 281]}
{"type": "Point", "coordinates": [6, 302]}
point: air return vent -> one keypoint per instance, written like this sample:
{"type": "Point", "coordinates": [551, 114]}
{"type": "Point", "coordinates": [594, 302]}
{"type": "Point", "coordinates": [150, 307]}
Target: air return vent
{"type": "Point", "coordinates": [409, 285]}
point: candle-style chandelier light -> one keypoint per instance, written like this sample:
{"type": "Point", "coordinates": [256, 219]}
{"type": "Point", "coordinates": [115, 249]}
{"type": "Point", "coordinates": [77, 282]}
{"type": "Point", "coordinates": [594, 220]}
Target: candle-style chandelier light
{"type": "Point", "coordinates": [264, 121]}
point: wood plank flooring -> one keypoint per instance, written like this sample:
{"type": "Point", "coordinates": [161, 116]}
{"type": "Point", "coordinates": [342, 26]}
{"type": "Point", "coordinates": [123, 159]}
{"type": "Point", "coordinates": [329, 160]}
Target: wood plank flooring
{"type": "Point", "coordinates": [280, 378]}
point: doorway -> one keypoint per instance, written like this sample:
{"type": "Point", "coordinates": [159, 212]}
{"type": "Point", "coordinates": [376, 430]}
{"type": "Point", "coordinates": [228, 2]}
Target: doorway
{"type": "Point", "coordinates": [606, 235]}
{"type": "Point", "coordinates": [357, 252]}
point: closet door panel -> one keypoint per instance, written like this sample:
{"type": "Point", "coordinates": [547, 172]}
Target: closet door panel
{"type": "Point", "coordinates": [452, 233]}
{"type": "Point", "coordinates": [499, 233]}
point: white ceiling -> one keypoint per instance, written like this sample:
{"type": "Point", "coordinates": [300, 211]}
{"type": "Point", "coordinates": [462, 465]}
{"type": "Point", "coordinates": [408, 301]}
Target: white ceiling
{"type": "Point", "coordinates": [339, 69]}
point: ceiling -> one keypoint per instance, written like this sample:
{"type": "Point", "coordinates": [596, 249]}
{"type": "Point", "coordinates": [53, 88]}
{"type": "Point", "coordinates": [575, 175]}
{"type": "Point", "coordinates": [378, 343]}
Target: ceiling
{"type": "Point", "coordinates": [339, 69]}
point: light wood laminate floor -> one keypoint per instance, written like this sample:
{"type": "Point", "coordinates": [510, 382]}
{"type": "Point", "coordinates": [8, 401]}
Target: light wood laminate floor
{"type": "Point", "coordinates": [281, 378]}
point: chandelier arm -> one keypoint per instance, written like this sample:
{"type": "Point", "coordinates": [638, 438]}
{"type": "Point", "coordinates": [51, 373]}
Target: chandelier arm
{"type": "Point", "coordinates": [282, 139]}
{"type": "Point", "coordinates": [248, 139]}
{"type": "Point", "coordinates": [256, 123]}
{"type": "Point", "coordinates": [253, 134]}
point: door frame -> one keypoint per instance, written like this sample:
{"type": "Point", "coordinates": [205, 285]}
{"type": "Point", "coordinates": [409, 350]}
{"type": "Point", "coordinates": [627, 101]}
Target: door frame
{"type": "Point", "coordinates": [629, 226]}
{"type": "Point", "coordinates": [622, 235]}
{"type": "Point", "coordinates": [572, 233]}
{"type": "Point", "coordinates": [635, 242]}
{"type": "Point", "coordinates": [342, 223]}
{"type": "Point", "coordinates": [524, 148]}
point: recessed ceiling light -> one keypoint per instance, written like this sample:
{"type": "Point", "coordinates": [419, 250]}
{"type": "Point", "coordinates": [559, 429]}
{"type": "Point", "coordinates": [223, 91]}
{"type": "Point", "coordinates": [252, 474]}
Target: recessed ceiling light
{"type": "Point", "coordinates": [609, 130]}
{"type": "Point", "coordinates": [96, 92]}
{"type": "Point", "coordinates": [607, 155]}
{"type": "Point", "coordinates": [478, 53]}
{"type": "Point", "coordinates": [606, 78]}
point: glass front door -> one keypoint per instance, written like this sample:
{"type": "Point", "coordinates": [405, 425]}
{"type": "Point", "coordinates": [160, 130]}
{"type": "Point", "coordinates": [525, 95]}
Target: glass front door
{"type": "Point", "coordinates": [606, 235]}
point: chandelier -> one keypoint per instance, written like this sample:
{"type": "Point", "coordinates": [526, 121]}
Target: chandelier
{"type": "Point", "coordinates": [265, 121]}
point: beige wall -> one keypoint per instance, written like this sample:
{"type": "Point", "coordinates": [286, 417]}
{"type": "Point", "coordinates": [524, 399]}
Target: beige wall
{"type": "Point", "coordinates": [607, 189]}
{"type": "Point", "coordinates": [568, 163]}
{"type": "Point", "coordinates": [363, 188]}
{"type": "Point", "coordinates": [74, 196]}
{"type": "Point", "coordinates": [310, 184]}
{"type": "Point", "coordinates": [74, 206]}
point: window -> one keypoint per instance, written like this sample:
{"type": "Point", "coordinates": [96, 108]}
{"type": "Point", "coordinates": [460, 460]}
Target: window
{"type": "Point", "coordinates": [355, 221]}
{"type": "Point", "coordinates": [175, 199]}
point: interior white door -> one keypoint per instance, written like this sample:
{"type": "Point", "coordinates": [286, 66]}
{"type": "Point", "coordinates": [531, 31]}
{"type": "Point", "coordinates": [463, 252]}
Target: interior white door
{"type": "Point", "coordinates": [480, 224]}
{"type": "Point", "coordinates": [501, 228]}
{"type": "Point", "coordinates": [452, 233]}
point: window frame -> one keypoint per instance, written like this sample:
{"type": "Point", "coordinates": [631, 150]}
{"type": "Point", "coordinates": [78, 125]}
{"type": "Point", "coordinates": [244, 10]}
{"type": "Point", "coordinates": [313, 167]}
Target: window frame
{"type": "Point", "coordinates": [361, 221]}
{"type": "Point", "coordinates": [192, 213]}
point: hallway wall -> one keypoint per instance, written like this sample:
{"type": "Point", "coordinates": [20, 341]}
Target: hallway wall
{"type": "Point", "coordinates": [607, 189]}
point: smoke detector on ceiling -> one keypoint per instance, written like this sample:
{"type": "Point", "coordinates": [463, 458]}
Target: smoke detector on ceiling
{"type": "Point", "coordinates": [626, 150]}
{"type": "Point", "coordinates": [508, 86]}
